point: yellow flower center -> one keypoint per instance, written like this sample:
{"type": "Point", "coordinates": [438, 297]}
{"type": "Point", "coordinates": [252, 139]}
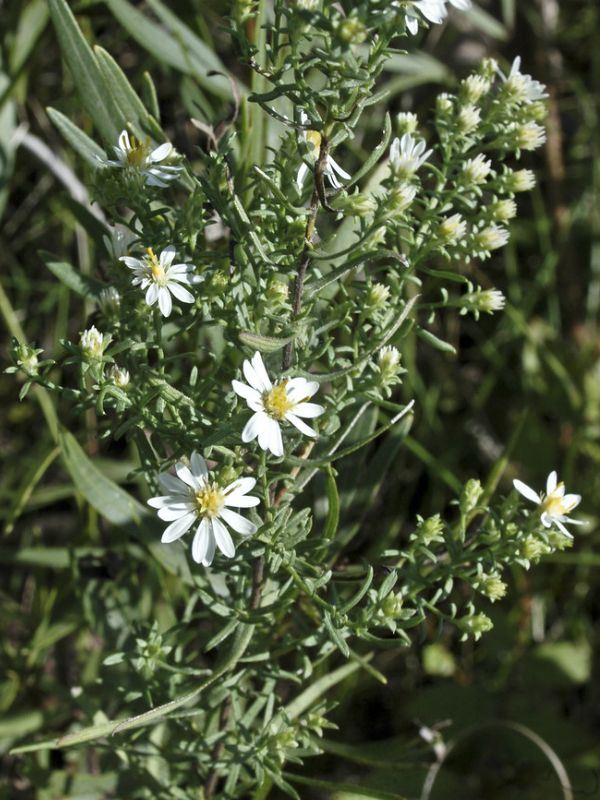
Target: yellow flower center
{"type": "Point", "coordinates": [156, 269]}
{"type": "Point", "coordinates": [210, 500]}
{"type": "Point", "coordinates": [554, 505]}
{"type": "Point", "coordinates": [277, 402]}
{"type": "Point", "coordinates": [314, 138]}
{"type": "Point", "coordinates": [136, 156]}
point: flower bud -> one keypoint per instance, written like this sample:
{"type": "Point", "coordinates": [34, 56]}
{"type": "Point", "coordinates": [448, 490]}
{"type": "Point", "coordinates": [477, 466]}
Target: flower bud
{"type": "Point", "coordinates": [529, 136]}
{"type": "Point", "coordinates": [503, 210]}
{"type": "Point", "coordinates": [352, 31]}
{"type": "Point", "coordinates": [490, 585]}
{"type": "Point", "coordinates": [401, 197]}
{"type": "Point", "coordinates": [475, 625]}
{"type": "Point", "coordinates": [476, 170]}
{"type": "Point", "coordinates": [27, 358]}
{"type": "Point", "coordinates": [388, 364]}
{"type": "Point", "coordinates": [523, 180]}
{"type": "Point", "coordinates": [444, 104]}
{"type": "Point", "coordinates": [452, 229]}
{"type": "Point", "coordinates": [392, 606]}
{"type": "Point", "coordinates": [468, 119]}
{"type": "Point", "coordinates": [277, 292]}
{"type": "Point", "coordinates": [377, 297]}
{"type": "Point", "coordinates": [92, 343]}
{"type": "Point", "coordinates": [406, 122]}
{"type": "Point", "coordinates": [109, 301]}
{"type": "Point", "coordinates": [356, 205]}
{"type": "Point", "coordinates": [532, 548]}
{"type": "Point", "coordinates": [485, 301]}
{"type": "Point", "coordinates": [490, 238]}
{"type": "Point", "coordinates": [429, 530]}
{"type": "Point", "coordinates": [470, 496]}
{"type": "Point", "coordinates": [474, 87]}
{"type": "Point", "coordinates": [119, 376]}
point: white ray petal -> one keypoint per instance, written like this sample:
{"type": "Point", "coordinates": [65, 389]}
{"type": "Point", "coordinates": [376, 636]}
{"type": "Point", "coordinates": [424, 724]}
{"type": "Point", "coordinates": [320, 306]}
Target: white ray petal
{"type": "Point", "coordinates": [152, 294]}
{"type": "Point", "coordinates": [164, 301]}
{"type": "Point", "coordinates": [160, 153]}
{"type": "Point", "coordinates": [562, 529]}
{"type": "Point", "coordinates": [223, 538]}
{"type": "Point", "coordinates": [175, 511]}
{"type": "Point", "coordinates": [201, 542]}
{"type": "Point", "coordinates": [184, 474]}
{"type": "Point", "coordinates": [239, 487]}
{"type": "Point", "coordinates": [254, 425]}
{"type": "Point", "coordinates": [239, 524]}
{"type": "Point", "coordinates": [302, 173]}
{"type": "Point", "coordinates": [308, 410]}
{"type": "Point", "coordinates": [178, 528]}
{"type": "Point", "coordinates": [198, 465]}
{"type": "Point", "coordinates": [551, 482]}
{"type": "Point", "coordinates": [302, 426]}
{"type": "Point", "coordinates": [167, 256]}
{"type": "Point", "coordinates": [526, 491]}
{"type": "Point", "coordinates": [180, 293]}
{"type": "Point", "coordinates": [260, 370]}
{"type": "Point", "coordinates": [172, 484]}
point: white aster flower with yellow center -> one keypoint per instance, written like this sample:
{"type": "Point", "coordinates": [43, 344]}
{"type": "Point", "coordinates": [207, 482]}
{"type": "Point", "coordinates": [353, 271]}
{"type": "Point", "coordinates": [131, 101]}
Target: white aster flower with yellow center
{"type": "Point", "coordinates": [193, 497]}
{"type": "Point", "coordinates": [284, 401]}
{"type": "Point", "coordinates": [133, 154]}
{"type": "Point", "coordinates": [555, 505]}
{"type": "Point", "coordinates": [160, 278]}
{"type": "Point", "coordinates": [332, 168]}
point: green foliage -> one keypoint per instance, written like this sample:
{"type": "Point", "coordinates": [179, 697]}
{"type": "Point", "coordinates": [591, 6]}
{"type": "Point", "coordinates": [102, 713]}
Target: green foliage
{"type": "Point", "coordinates": [372, 540]}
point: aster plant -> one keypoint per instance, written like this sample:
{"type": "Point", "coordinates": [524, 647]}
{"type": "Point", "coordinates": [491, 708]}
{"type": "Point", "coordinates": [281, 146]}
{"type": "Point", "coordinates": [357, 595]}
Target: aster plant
{"type": "Point", "coordinates": [307, 272]}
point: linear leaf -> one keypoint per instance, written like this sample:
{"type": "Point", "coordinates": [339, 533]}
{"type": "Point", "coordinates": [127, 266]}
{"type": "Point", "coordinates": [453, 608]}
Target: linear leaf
{"type": "Point", "coordinates": [125, 97]}
{"type": "Point", "coordinates": [85, 72]}
{"type": "Point", "coordinates": [67, 274]}
{"type": "Point", "coordinates": [266, 344]}
{"type": "Point", "coordinates": [104, 495]}
{"type": "Point", "coordinates": [79, 141]}
{"type": "Point", "coordinates": [171, 45]}
{"type": "Point", "coordinates": [316, 690]}
{"type": "Point", "coordinates": [113, 727]}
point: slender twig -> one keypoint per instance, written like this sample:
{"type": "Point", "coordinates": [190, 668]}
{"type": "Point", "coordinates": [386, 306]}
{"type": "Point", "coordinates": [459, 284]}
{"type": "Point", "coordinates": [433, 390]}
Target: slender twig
{"type": "Point", "coordinates": [301, 272]}
{"type": "Point", "coordinates": [210, 786]}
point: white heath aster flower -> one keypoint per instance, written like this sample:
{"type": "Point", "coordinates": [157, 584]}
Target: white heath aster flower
{"type": "Point", "coordinates": [555, 505]}
{"type": "Point", "coordinates": [192, 497]}
{"type": "Point", "coordinates": [284, 401]}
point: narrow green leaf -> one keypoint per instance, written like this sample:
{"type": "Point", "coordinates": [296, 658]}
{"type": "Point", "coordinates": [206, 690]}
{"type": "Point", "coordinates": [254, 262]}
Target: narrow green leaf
{"type": "Point", "coordinates": [112, 727]}
{"type": "Point", "coordinates": [434, 341]}
{"type": "Point", "coordinates": [336, 635]}
{"type": "Point", "coordinates": [266, 344]}
{"type": "Point", "coordinates": [85, 72]}
{"type": "Point", "coordinates": [374, 157]}
{"type": "Point", "coordinates": [101, 493]}
{"type": "Point", "coordinates": [32, 21]}
{"type": "Point", "coordinates": [316, 690]}
{"type": "Point", "coordinates": [202, 54]}
{"type": "Point", "coordinates": [150, 96]}
{"type": "Point", "coordinates": [174, 45]}
{"type": "Point", "coordinates": [125, 97]}
{"type": "Point", "coordinates": [79, 141]}
{"type": "Point", "coordinates": [333, 510]}
{"type": "Point", "coordinates": [32, 478]}
{"type": "Point", "coordinates": [80, 284]}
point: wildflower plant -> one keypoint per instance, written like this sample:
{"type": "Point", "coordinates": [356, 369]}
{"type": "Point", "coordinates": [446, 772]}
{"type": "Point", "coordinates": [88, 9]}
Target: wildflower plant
{"type": "Point", "coordinates": [301, 273]}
